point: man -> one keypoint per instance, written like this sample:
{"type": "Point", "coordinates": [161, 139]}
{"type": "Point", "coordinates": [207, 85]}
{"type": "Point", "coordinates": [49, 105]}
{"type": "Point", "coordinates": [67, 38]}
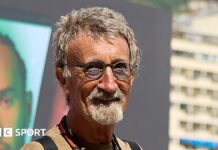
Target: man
{"type": "Point", "coordinates": [96, 61]}
{"type": "Point", "coordinates": [15, 102]}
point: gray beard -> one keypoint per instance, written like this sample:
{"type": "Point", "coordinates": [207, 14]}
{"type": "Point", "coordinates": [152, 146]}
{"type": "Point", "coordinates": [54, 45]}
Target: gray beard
{"type": "Point", "coordinates": [106, 114]}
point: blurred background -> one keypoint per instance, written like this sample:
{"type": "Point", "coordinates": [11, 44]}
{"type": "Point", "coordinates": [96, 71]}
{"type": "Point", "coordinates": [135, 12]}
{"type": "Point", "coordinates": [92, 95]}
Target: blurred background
{"type": "Point", "coordinates": [193, 114]}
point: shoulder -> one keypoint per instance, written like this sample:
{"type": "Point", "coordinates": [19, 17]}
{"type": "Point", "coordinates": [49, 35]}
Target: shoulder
{"type": "Point", "coordinates": [55, 134]}
{"type": "Point", "coordinates": [57, 139]}
{"type": "Point", "coordinates": [32, 146]}
{"type": "Point", "coordinates": [129, 145]}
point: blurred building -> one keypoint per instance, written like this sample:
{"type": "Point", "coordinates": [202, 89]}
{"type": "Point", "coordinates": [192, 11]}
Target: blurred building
{"type": "Point", "coordinates": [202, 4]}
{"type": "Point", "coordinates": [194, 82]}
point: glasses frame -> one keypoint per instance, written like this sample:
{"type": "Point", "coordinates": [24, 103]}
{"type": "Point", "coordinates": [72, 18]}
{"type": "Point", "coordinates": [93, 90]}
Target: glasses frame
{"type": "Point", "coordinates": [112, 66]}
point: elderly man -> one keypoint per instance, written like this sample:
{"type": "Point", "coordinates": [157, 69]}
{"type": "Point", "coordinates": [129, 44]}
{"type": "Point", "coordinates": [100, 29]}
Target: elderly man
{"type": "Point", "coordinates": [96, 61]}
{"type": "Point", "coordinates": [15, 101]}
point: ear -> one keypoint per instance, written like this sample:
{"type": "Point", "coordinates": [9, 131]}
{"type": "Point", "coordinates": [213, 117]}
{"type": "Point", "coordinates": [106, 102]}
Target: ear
{"type": "Point", "coordinates": [28, 106]}
{"type": "Point", "coordinates": [59, 75]}
{"type": "Point", "coordinates": [62, 80]}
{"type": "Point", "coordinates": [132, 78]}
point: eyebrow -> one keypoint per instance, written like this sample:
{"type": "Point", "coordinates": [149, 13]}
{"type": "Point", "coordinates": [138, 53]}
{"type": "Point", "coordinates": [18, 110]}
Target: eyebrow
{"type": "Point", "coordinates": [114, 61]}
{"type": "Point", "coordinates": [5, 91]}
{"type": "Point", "coordinates": [118, 60]}
{"type": "Point", "coordinates": [96, 60]}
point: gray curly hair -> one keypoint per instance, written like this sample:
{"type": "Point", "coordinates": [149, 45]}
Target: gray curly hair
{"type": "Point", "coordinates": [100, 22]}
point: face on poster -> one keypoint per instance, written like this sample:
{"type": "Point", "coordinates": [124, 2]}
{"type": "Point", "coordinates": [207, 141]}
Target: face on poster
{"type": "Point", "coordinates": [23, 50]}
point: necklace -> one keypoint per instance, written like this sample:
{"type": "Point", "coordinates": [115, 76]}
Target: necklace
{"type": "Point", "coordinates": [73, 141]}
{"type": "Point", "coordinates": [115, 143]}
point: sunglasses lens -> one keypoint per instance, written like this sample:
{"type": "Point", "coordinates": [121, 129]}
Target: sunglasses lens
{"type": "Point", "coordinates": [121, 70]}
{"type": "Point", "coordinates": [94, 70]}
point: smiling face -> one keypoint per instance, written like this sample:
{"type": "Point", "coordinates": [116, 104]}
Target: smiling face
{"type": "Point", "coordinates": [102, 100]}
{"type": "Point", "coordinates": [14, 108]}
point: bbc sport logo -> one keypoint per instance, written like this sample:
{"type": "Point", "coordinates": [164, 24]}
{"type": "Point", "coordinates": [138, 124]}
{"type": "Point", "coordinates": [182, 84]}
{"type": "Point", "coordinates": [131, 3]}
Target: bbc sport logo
{"type": "Point", "coordinates": [9, 132]}
{"type": "Point", "coordinates": [5, 132]}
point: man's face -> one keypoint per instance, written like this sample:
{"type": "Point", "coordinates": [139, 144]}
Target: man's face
{"type": "Point", "coordinates": [104, 99]}
{"type": "Point", "coordinates": [14, 111]}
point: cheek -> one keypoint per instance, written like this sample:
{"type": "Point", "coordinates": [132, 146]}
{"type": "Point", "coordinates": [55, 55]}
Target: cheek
{"type": "Point", "coordinates": [125, 104]}
{"type": "Point", "coordinates": [125, 87]}
{"type": "Point", "coordinates": [73, 85]}
{"type": "Point", "coordinates": [87, 87]}
{"type": "Point", "coordinates": [80, 87]}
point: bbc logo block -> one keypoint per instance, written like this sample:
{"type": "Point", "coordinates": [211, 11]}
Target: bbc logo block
{"type": "Point", "coordinates": [6, 132]}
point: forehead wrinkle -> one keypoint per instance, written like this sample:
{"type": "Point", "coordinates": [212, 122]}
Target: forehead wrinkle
{"type": "Point", "coordinates": [84, 45]}
{"type": "Point", "coordinates": [76, 46]}
{"type": "Point", "coordinates": [108, 53]}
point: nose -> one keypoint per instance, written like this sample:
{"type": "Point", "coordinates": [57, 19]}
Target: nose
{"type": "Point", "coordinates": [107, 82]}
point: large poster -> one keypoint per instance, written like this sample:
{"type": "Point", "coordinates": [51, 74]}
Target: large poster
{"type": "Point", "coordinates": [23, 50]}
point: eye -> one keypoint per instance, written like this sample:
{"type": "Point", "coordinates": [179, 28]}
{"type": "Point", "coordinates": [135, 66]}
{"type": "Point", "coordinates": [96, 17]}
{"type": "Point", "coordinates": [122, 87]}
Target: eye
{"type": "Point", "coordinates": [94, 65]}
{"type": "Point", "coordinates": [120, 65]}
{"type": "Point", "coordinates": [121, 70]}
{"type": "Point", "coordinates": [7, 102]}
{"type": "Point", "coordinates": [94, 69]}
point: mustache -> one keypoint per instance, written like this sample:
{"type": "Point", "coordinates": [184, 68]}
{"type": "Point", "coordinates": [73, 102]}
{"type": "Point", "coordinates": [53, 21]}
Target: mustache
{"type": "Point", "coordinates": [102, 95]}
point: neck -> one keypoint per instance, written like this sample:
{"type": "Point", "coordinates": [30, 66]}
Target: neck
{"type": "Point", "coordinates": [89, 131]}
